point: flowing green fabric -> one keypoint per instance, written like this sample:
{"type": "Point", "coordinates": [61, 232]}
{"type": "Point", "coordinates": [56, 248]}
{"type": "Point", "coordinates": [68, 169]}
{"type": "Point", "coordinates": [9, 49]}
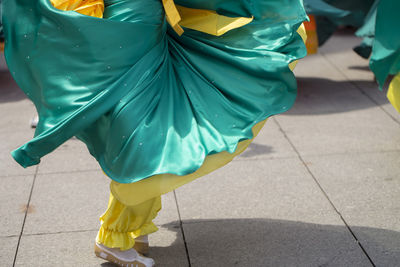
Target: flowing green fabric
{"type": "Point", "coordinates": [144, 100]}
{"type": "Point", "coordinates": [385, 59]}
{"type": "Point", "coordinates": [367, 32]}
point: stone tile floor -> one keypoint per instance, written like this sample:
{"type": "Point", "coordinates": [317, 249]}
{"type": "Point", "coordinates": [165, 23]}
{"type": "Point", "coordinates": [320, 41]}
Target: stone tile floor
{"type": "Point", "coordinates": [320, 186]}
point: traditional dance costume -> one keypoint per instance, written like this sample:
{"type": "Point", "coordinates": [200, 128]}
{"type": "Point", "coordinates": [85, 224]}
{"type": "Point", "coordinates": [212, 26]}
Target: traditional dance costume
{"type": "Point", "coordinates": [161, 93]}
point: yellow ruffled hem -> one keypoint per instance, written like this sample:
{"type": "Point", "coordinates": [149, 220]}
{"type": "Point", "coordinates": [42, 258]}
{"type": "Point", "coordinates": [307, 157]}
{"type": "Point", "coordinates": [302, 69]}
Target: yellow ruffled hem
{"type": "Point", "coordinates": [123, 240]}
{"type": "Point", "coordinates": [121, 224]}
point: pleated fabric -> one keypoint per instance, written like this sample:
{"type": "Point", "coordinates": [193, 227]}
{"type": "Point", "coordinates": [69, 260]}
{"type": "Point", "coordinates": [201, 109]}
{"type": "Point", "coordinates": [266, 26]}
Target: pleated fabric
{"type": "Point", "coordinates": [145, 100]}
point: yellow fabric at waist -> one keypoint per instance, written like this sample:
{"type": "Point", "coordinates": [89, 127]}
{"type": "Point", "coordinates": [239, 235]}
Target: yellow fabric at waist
{"type": "Point", "coordinates": [94, 8]}
{"type": "Point", "coordinates": [206, 21]}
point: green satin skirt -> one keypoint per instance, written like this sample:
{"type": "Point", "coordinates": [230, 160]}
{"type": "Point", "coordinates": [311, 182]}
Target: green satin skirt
{"type": "Point", "coordinates": [145, 100]}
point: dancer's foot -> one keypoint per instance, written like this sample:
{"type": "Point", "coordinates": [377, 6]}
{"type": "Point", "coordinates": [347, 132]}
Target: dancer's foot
{"type": "Point", "coordinates": [122, 257]}
{"type": "Point", "coordinates": [142, 244]}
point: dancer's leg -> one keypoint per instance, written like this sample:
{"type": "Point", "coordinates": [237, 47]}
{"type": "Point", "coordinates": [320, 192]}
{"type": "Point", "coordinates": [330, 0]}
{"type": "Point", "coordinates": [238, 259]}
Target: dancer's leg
{"type": "Point", "coordinates": [121, 225]}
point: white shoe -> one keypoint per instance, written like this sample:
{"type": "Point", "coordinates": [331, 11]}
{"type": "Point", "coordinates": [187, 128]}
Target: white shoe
{"type": "Point", "coordinates": [123, 258]}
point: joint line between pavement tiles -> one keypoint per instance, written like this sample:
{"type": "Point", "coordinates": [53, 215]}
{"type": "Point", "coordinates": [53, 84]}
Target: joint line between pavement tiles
{"type": "Point", "coordinates": [323, 191]}
{"type": "Point", "coordinates": [360, 89]}
{"type": "Point", "coordinates": [26, 214]}
{"type": "Point", "coordinates": [62, 232]}
{"type": "Point", "coordinates": [63, 172]}
{"type": "Point", "coordinates": [182, 230]}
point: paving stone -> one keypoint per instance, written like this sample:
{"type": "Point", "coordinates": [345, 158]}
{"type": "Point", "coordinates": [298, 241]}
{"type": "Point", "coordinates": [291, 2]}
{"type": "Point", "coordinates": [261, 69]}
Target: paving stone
{"type": "Point", "coordinates": [67, 202]}
{"type": "Point", "coordinates": [278, 188]}
{"type": "Point", "coordinates": [324, 90]}
{"type": "Point", "coordinates": [7, 251]}
{"type": "Point", "coordinates": [339, 51]}
{"type": "Point", "coordinates": [8, 166]}
{"type": "Point", "coordinates": [267, 242]}
{"type": "Point", "coordinates": [169, 212]}
{"type": "Point", "coordinates": [60, 200]}
{"type": "Point", "coordinates": [270, 143]}
{"type": "Point", "coordinates": [63, 249]}
{"type": "Point", "coordinates": [73, 156]}
{"type": "Point", "coordinates": [76, 249]}
{"type": "Point", "coordinates": [16, 109]}
{"type": "Point", "coordinates": [16, 117]}
{"type": "Point", "coordinates": [167, 247]}
{"type": "Point", "coordinates": [381, 243]}
{"type": "Point", "coordinates": [356, 69]}
{"type": "Point", "coordinates": [332, 116]}
{"type": "Point", "coordinates": [14, 195]}
{"type": "Point", "coordinates": [365, 188]}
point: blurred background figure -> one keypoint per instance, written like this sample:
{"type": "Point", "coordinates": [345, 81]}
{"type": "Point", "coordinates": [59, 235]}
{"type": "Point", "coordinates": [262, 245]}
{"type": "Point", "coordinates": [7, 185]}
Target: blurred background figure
{"type": "Point", "coordinates": [376, 22]}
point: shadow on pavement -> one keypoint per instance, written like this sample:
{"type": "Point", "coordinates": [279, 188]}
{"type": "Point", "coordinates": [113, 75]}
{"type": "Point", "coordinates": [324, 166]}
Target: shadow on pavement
{"type": "Point", "coordinates": [318, 96]}
{"type": "Point", "coordinates": [255, 149]}
{"type": "Point", "coordinates": [365, 68]}
{"type": "Point", "coordinates": [267, 242]}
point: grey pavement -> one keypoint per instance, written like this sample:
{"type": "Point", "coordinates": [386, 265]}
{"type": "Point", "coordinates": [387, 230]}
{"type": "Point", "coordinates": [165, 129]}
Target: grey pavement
{"type": "Point", "coordinates": [320, 185]}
